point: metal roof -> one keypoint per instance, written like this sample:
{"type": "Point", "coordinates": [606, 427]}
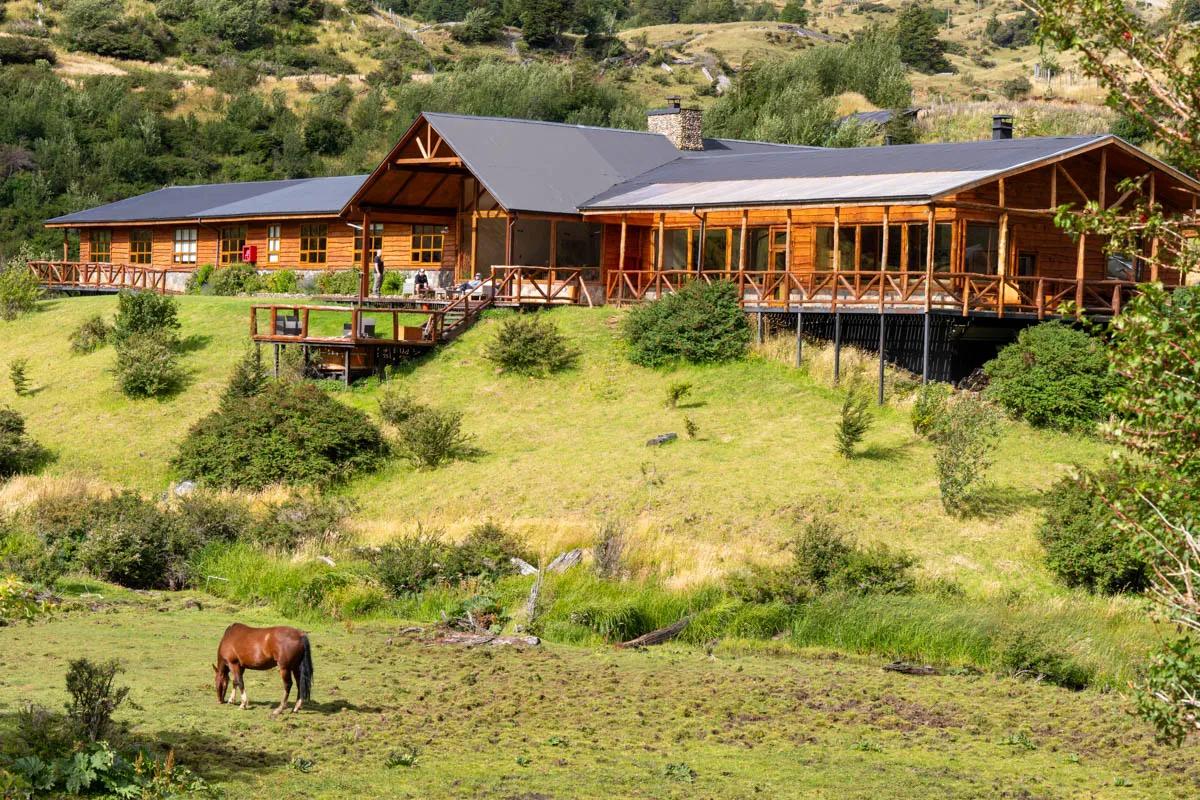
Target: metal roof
{"type": "Point", "coordinates": [299, 196]}
{"type": "Point", "coordinates": [551, 167]}
{"type": "Point", "coordinates": [897, 172]}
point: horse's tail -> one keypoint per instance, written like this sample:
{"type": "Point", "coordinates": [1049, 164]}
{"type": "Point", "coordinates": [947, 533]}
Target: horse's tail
{"type": "Point", "coordinates": [305, 672]}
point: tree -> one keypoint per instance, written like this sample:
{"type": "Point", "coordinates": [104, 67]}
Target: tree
{"type": "Point", "coordinates": [326, 135]}
{"type": "Point", "coordinates": [916, 32]}
{"type": "Point", "coordinates": [794, 12]}
{"type": "Point", "coordinates": [543, 21]}
{"type": "Point", "coordinates": [480, 25]}
{"type": "Point", "coordinates": [854, 422]}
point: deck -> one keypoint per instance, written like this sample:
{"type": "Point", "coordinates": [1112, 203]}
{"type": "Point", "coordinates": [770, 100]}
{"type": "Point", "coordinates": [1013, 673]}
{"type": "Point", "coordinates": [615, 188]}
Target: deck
{"type": "Point", "coordinates": [99, 276]}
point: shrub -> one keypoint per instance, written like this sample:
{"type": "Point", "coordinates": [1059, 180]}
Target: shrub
{"type": "Point", "coordinates": [877, 569]}
{"type": "Point", "coordinates": [18, 452]}
{"type": "Point", "coordinates": [690, 427]}
{"type": "Point", "coordinates": [289, 433]}
{"type": "Point", "coordinates": [234, 280]}
{"type": "Point", "coordinates": [147, 365]}
{"type": "Point", "coordinates": [339, 282]}
{"type": "Point", "coordinates": [676, 392]}
{"type": "Point", "coordinates": [486, 553]}
{"type": "Point", "coordinates": [286, 524]}
{"type": "Point", "coordinates": [393, 283]}
{"type": "Point", "coordinates": [284, 281]}
{"type": "Point", "coordinates": [1053, 376]}
{"type": "Point", "coordinates": [398, 406]}
{"type": "Point", "coordinates": [1084, 544]}
{"type": "Point", "coordinates": [1025, 653]}
{"type": "Point", "coordinates": [608, 553]}
{"type": "Point", "coordinates": [930, 406]}
{"type": "Point", "coordinates": [963, 442]}
{"type": "Point", "coordinates": [1016, 88]}
{"type": "Point", "coordinates": [132, 545]}
{"type": "Point", "coordinates": [145, 312]}
{"type": "Point", "coordinates": [94, 697]}
{"type": "Point", "coordinates": [249, 376]}
{"type": "Point", "coordinates": [202, 517]}
{"type": "Point", "coordinates": [25, 50]}
{"type": "Point", "coordinates": [434, 436]}
{"type": "Point", "coordinates": [18, 600]}
{"type": "Point", "coordinates": [91, 335]}
{"type": "Point", "coordinates": [479, 26]}
{"type": "Point", "coordinates": [530, 345]}
{"type": "Point", "coordinates": [701, 323]}
{"type": "Point", "coordinates": [19, 287]}
{"type": "Point", "coordinates": [411, 563]}
{"type": "Point", "coordinates": [199, 279]}
{"type": "Point", "coordinates": [18, 373]}
{"type": "Point", "coordinates": [853, 424]}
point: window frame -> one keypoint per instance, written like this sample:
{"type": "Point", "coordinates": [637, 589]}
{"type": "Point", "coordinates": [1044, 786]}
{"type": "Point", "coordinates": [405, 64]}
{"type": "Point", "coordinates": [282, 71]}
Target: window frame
{"type": "Point", "coordinates": [426, 240]}
{"type": "Point", "coordinates": [94, 236]}
{"type": "Point", "coordinates": [144, 251]}
{"type": "Point", "coordinates": [228, 235]}
{"type": "Point", "coordinates": [314, 243]}
{"type": "Point", "coordinates": [376, 242]}
{"type": "Point", "coordinates": [274, 242]}
{"type": "Point", "coordinates": [187, 254]}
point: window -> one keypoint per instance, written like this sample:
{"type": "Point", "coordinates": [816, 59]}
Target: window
{"type": "Point", "coordinates": [101, 246]}
{"type": "Point", "coordinates": [981, 252]}
{"type": "Point", "coordinates": [675, 248]}
{"type": "Point", "coordinates": [233, 239]}
{"type": "Point", "coordinates": [870, 247]}
{"type": "Point", "coordinates": [489, 245]}
{"type": "Point", "coordinates": [1026, 264]}
{"type": "Point", "coordinates": [823, 241]}
{"type": "Point", "coordinates": [427, 244]}
{"type": "Point", "coordinates": [578, 245]}
{"type": "Point", "coordinates": [918, 245]}
{"type": "Point", "coordinates": [715, 243]}
{"type": "Point", "coordinates": [141, 246]}
{"type": "Point", "coordinates": [273, 244]}
{"type": "Point", "coordinates": [531, 243]}
{"type": "Point", "coordinates": [758, 249]}
{"type": "Point", "coordinates": [895, 248]}
{"type": "Point", "coordinates": [376, 242]}
{"type": "Point", "coordinates": [1120, 267]}
{"type": "Point", "coordinates": [185, 246]}
{"type": "Point", "coordinates": [314, 239]}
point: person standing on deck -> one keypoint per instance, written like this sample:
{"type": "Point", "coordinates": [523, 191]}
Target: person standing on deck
{"type": "Point", "coordinates": [379, 270]}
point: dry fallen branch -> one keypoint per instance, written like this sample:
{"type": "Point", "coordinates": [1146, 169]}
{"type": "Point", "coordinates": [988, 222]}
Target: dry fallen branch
{"type": "Point", "coordinates": [659, 636]}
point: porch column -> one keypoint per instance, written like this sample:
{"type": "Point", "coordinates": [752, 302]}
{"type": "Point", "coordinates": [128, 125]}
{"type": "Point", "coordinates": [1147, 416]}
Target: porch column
{"type": "Point", "coordinates": [1079, 272]}
{"type": "Point", "coordinates": [1002, 253]}
{"type": "Point", "coordinates": [883, 258]}
{"type": "Point", "coordinates": [661, 234]}
{"type": "Point", "coordinates": [837, 263]}
{"type": "Point", "coordinates": [621, 251]}
{"type": "Point", "coordinates": [509, 221]}
{"type": "Point", "coordinates": [365, 262]}
{"type": "Point", "coordinates": [474, 246]}
{"type": "Point", "coordinates": [700, 245]}
{"type": "Point", "coordinates": [1154, 240]}
{"type": "Point", "coordinates": [929, 239]}
{"type": "Point", "coordinates": [66, 246]}
{"type": "Point", "coordinates": [742, 243]}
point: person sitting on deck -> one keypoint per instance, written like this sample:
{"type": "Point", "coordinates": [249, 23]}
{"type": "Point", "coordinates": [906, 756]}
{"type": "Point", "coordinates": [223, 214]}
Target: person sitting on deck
{"type": "Point", "coordinates": [421, 283]}
{"type": "Point", "coordinates": [379, 270]}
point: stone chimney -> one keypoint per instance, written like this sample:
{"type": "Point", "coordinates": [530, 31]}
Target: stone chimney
{"type": "Point", "coordinates": [680, 125]}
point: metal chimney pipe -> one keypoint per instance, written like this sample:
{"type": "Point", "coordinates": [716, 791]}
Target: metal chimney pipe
{"type": "Point", "coordinates": [1002, 126]}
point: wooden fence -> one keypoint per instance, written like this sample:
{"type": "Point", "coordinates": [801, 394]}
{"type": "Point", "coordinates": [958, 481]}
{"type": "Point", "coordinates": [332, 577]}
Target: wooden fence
{"type": "Point", "coordinates": [99, 275]}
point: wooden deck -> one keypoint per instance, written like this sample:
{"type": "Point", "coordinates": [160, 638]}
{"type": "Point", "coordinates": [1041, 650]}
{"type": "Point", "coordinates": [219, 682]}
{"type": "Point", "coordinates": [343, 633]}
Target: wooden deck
{"type": "Point", "coordinates": [98, 276]}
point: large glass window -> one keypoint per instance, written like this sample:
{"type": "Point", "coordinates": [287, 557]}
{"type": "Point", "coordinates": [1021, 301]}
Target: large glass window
{"type": "Point", "coordinates": [758, 249]}
{"type": "Point", "coordinates": [184, 251]}
{"type": "Point", "coordinates": [918, 246]}
{"type": "Point", "coordinates": [846, 247]}
{"type": "Point", "coordinates": [141, 246]}
{"type": "Point", "coordinates": [490, 247]}
{"type": "Point", "coordinates": [981, 249]}
{"type": "Point", "coordinates": [531, 243]}
{"type": "Point", "coordinates": [274, 240]}
{"type": "Point", "coordinates": [314, 243]}
{"type": "Point", "coordinates": [577, 245]}
{"type": "Point", "coordinates": [823, 254]}
{"type": "Point", "coordinates": [716, 244]}
{"type": "Point", "coordinates": [426, 243]}
{"type": "Point", "coordinates": [870, 244]}
{"type": "Point", "coordinates": [233, 239]}
{"type": "Point", "coordinates": [675, 248]}
{"type": "Point", "coordinates": [376, 242]}
{"type": "Point", "coordinates": [101, 241]}
{"type": "Point", "coordinates": [895, 248]}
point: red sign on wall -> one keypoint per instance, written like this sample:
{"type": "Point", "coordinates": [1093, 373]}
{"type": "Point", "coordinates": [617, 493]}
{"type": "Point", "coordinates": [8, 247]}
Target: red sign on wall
{"type": "Point", "coordinates": [249, 254]}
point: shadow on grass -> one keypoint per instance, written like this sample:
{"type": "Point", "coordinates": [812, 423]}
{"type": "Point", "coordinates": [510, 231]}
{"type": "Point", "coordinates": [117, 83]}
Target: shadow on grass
{"type": "Point", "coordinates": [193, 343]}
{"type": "Point", "coordinates": [879, 452]}
{"type": "Point", "coordinates": [220, 757]}
{"type": "Point", "coordinates": [991, 500]}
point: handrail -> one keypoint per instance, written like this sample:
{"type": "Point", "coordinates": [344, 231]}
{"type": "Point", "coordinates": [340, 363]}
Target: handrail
{"type": "Point", "coordinates": [964, 292]}
{"type": "Point", "coordinates": [549, 285]}
{"type": "Point", "coordinates": [101, 275]}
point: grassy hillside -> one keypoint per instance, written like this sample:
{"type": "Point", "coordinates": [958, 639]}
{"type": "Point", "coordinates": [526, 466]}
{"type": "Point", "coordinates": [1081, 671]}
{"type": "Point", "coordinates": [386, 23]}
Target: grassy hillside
{"type": "Point", "coordinates": [562, 454]}
{"type": "Point", "coordinates": [559, 722]}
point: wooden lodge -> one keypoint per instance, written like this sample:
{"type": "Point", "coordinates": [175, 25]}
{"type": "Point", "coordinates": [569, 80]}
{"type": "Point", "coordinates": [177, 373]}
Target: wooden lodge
{"type": "Point", "coordinates": [525, 213]}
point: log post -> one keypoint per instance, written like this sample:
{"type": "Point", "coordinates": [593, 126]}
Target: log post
{"type": "Point", "coordinates": [787, 262]}
{"type": "Point", "coordinates": [882, 336]}
{"type": "Point", "coordinates": [925, 349]}
{"type": "Point", "coordinates": [837, 347]}
{"type": "Point", "coordinates": [365, 261]}
{"type": "Point", "coordinates": [742, 243]}
{"type": "Point", "coordinates": [621, 251]}
{"type": "Point", "coordinates": [799, 333]}
{"type": "Point", "coordinates": [1002, 255]}
{"type": "Point", "coordinates": [929, 240]}
{"type": "Point", "coordinates": [474, 247]}
{"type": "Point", "coordinates": [837, 258]}
{"type": "Point", "coordinates": [1103, 177]}
{"type": "Point", "coordinates": [1079, 273]}
{"type": "Point", "coordinates": [1154, 240]}
{"type": "Point", "coordinates": [883, 259]}
{"type": "Point", "coordinates": [661, 238]}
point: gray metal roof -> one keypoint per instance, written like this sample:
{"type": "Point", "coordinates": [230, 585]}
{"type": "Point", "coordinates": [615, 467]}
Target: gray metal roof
{"type": "Point", "coordinates": [551, 167]}
{"type": "Point", "coordinates": [859, 174]}
{"type": "Point", "coordinates": [300, 196]}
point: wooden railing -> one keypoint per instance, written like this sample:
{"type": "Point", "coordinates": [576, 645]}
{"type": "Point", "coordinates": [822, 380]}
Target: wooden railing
{"type": "Point", "coordinates": [99, 275]}
{"type": "Point", "coordinates": [544, 285]}
{"type": "Point", "coordinates": [964, 292]}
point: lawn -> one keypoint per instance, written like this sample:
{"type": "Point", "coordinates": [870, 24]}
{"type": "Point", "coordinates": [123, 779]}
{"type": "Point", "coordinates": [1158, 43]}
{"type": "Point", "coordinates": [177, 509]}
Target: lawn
{"type": "Point", "coordinates": [559, 722]}
{"type": "Point", "coordinates": [563, 454]}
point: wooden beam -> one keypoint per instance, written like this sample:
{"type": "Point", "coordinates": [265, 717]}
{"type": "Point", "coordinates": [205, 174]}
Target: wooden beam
{"type": "Point", "coordinates": [475, 246]}
{"type": "Point", "coordinates": [883, 262]}
{"type": "Point", "coordinates": [1103, 176]}
{"type": "Point", "coordinates": [508, 240]}
{"type": "Point", "coordinates": [1074, 184]}
{"type": "Point", "coordinates": [1054, 187]}
{"type": "Point", "coordinates": [742, 242]}
{"type": "Point", "coordinates": [429, 161]}
{"type": "Point", "coordinates": [929, 238]}
{"type": "Point", "coordinates": [1079, 271]}
{"type": "Point", "coordinates": [440, 183]}
{"type": "Point", "coordinates": [364, 264]}
{"type": "Point", "coordinates": [429, 211]}
{"type": "Point", "coordinates": [421, 147]}
{"type": "Point", "coordinates": [661, 231]}
{"type": "Point", "coordinates": [1154, 240]}
{"type": "Point", "coordinates": [837, 265]}
{"type": "Point", "coordinates": [787, 246]}
{"type": "Point", "coordinates": [621, 251]}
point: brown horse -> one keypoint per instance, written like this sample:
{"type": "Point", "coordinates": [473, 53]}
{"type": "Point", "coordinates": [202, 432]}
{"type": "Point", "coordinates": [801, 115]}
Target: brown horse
{"type": "Point", "coordinates": [243, 647]}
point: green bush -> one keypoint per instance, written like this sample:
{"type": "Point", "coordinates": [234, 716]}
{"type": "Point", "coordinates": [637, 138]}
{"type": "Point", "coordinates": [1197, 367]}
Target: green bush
{"type": "Point", "coordinates": [91, 335]}
{"type": "Point", "coordinates": [1084, 544]}
{"type": "Point", "coordinates": [345, 282]}
{"type": "Point", "coordinates": [1053, 376]}
{"type": "Point", "coordinates": [397, 405]}
{"type": "Point", "coordinates": [290, 433]}
{"type": "Point", "coordinates": [530, 345]}
{"type": "Point", "coordinates": [145, 313]}
{"type": "Point", "coordinates": [930, 406]}
{"type": "Point", "coordinates": [411, 563]}
{"type": "Point", "coordinates": [434, 436]}
{"type": "Point", "coordinates": [18, 375]}
{"type": "Point", "coordinates": [235, 279]}
{"type": "Point", "coordinates": [283, 281]}
{"type": "Point", "coordinates": [148, 365]}
{"type": "Point", "coordinates": [132, 547]}
{"type": "Point", "coordinates": [284, 525]}
{"type": "Point", "coordinates": [701, 323]}
{"type": "Point", "coordinates": [393, 283]}
{"type": "Point", "coordinates": [479, 26]}
{"type": "Point", "coordinates": [485, 553]}
{"type": "Point", "coordinates": [853, 424]}
{"type": "Point", "coordinates": [1023, 652]}
{"type": "Point", "coordinates": [199, 279]}
{"type": "Point", "coordinates": [25, 50]}
{"type": "Point", "coordinates": [964, 439]}
{"type": "Point", "coordinates": [94, 697]}
{"type": "Point", "coordinates": [19, 287]}
{"type": "Point", "coordinates": [18, 452]}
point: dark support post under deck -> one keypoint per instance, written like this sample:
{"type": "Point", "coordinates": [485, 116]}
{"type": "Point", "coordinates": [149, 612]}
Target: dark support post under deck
{"type": "Point", "coordinates": [882, 334]}
{"type": "Point", "coordinates": [346, 361]}
{"type": "Point", "coordinates": [759, 332]}
{"type": "Point", "coordinates": [799, 334]}
{"type": "Point", "coordinates": [276, 362]}
{"type": "Point", "coordinates": [837, 347]}
{"type": "Point", "coordinates": [925, 351]}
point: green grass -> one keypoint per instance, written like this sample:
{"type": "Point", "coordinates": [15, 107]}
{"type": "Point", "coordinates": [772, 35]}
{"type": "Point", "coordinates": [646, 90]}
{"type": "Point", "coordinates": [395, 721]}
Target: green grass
{"type": "Point", "coordinates": [589, 722]}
